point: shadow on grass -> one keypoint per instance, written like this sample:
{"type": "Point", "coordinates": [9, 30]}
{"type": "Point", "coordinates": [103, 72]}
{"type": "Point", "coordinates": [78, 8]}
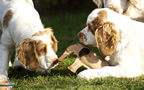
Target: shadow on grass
{"type": "Point", "coordinates": [24, 73]}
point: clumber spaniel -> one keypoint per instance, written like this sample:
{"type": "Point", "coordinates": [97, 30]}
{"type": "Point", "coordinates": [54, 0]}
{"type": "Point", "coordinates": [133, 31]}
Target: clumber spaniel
{"type": "Point", "coordinates": [118, 37]}
{"type": "Point", "coordinates": [131, 8]}
{"type": "Point", "coordinates": [22, 29]}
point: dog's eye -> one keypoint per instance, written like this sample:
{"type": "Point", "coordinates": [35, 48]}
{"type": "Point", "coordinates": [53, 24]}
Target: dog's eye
{"type": "Point", "coordinates": [89, 26]}
{"type": "Point", "coordinates": [43, 51]}
{"type": "Point", "coordinates": [92, 27]}
{"type": "Point", "coordinates": [54, 43]}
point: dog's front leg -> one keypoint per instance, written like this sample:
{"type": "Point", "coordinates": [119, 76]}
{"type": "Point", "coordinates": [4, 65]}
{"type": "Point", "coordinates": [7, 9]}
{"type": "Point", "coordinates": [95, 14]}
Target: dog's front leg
{"type": "Point", "coordinates": [4, 60]}
{"type": "Point", "coordinates": [114, 71]}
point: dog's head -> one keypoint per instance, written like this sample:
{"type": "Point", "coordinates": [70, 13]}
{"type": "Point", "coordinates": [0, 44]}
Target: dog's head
{"type": "Point", "coordinates": [38, 52]}
{"type": "Point", "coordinates": [100, 32]}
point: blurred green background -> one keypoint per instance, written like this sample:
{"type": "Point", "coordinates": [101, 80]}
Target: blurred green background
{"type": "Point", "coordinates": [63, 6]}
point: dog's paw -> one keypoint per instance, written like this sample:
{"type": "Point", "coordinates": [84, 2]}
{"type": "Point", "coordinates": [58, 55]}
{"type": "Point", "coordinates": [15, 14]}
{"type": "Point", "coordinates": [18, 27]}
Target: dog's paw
{"type": "Point", "coordinates": [89, 74]}
{"type": "Point", "coordinates": [3, 78]}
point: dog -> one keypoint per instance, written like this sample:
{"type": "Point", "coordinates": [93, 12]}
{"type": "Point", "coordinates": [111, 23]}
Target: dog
{"type": "Point", "coordinates": [134, 9]}
{"type": "Point", "coordinates": [23, 30]}
{"type": "Point", "coordinates": [118, 37]}
{"type": "Point", "coordinates": [85, 57]}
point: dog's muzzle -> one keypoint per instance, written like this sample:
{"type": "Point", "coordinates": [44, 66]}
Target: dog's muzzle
{"type": "Point", "coordinates": [45, 71]}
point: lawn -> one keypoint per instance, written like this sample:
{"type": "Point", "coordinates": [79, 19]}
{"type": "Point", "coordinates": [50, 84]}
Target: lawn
{"type": "Point", "coordinates": [66, 26]}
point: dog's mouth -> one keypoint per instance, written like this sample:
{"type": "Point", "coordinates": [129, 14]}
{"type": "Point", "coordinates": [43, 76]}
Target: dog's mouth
{"type": "Point", "coordinates": [87, 45]}
{"type": "Point", "coordinates": [54, 63]}
{"type": "Point", "coordinates": [42, 71]}
{"type": "Point", "coordinates": [82, 44]}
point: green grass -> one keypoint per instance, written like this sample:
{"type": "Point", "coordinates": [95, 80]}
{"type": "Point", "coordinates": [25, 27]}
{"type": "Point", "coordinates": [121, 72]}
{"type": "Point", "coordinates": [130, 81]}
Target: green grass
{"type": "Point", "coordinates": [66, 26]}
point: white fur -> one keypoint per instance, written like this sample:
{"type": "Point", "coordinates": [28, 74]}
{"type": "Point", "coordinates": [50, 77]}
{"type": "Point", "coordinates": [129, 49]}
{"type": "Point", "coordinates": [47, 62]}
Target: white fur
{"type": "Point", "coordinates": [128, 58]}
{"type": "Point", "coordinates": [24, 23]}
{"type": "Point", "coordinates": [131, 8]}
{"type": "Point", "coordinates": [88, 41]}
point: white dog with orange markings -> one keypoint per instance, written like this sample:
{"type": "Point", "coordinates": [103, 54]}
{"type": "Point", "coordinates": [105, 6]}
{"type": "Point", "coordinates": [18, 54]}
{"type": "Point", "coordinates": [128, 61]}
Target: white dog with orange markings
{"type": "Point", "coordinates": [22, 29]}
{"type": "Point", "coordinates": [131, 8]}
{"type": "Point", "coordinates": [118, 37]}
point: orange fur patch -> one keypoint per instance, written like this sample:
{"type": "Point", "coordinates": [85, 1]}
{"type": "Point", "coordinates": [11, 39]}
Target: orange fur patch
{"type": "Point", "coordinates": [107, 38]}
{"type": "Point", "coordinates": [7, 17]}
{"type": "Point", "coordinates": [114, 9]}
{"type": "Point", "coordinates": [54, 43]}
{"type": "Point", "coordinates": [92, 26]}
{"type": "Point", "coordinates": [28, 52]}
{"type": "Point", "coordinates": [48, 31]}
{"type": "Point", "coordinates": [41, 48]}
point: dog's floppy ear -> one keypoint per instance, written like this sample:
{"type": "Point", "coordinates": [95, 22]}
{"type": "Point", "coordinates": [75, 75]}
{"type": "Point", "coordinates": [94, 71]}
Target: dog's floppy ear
{"type": "Point", "coordinates": [54, 43]}
{"type": "Point", "coordinates": [106, 38]}
{"type": "Point", "coordinates": [27, 54]}
{"type": "Point", "coordinates": [99, 3]}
